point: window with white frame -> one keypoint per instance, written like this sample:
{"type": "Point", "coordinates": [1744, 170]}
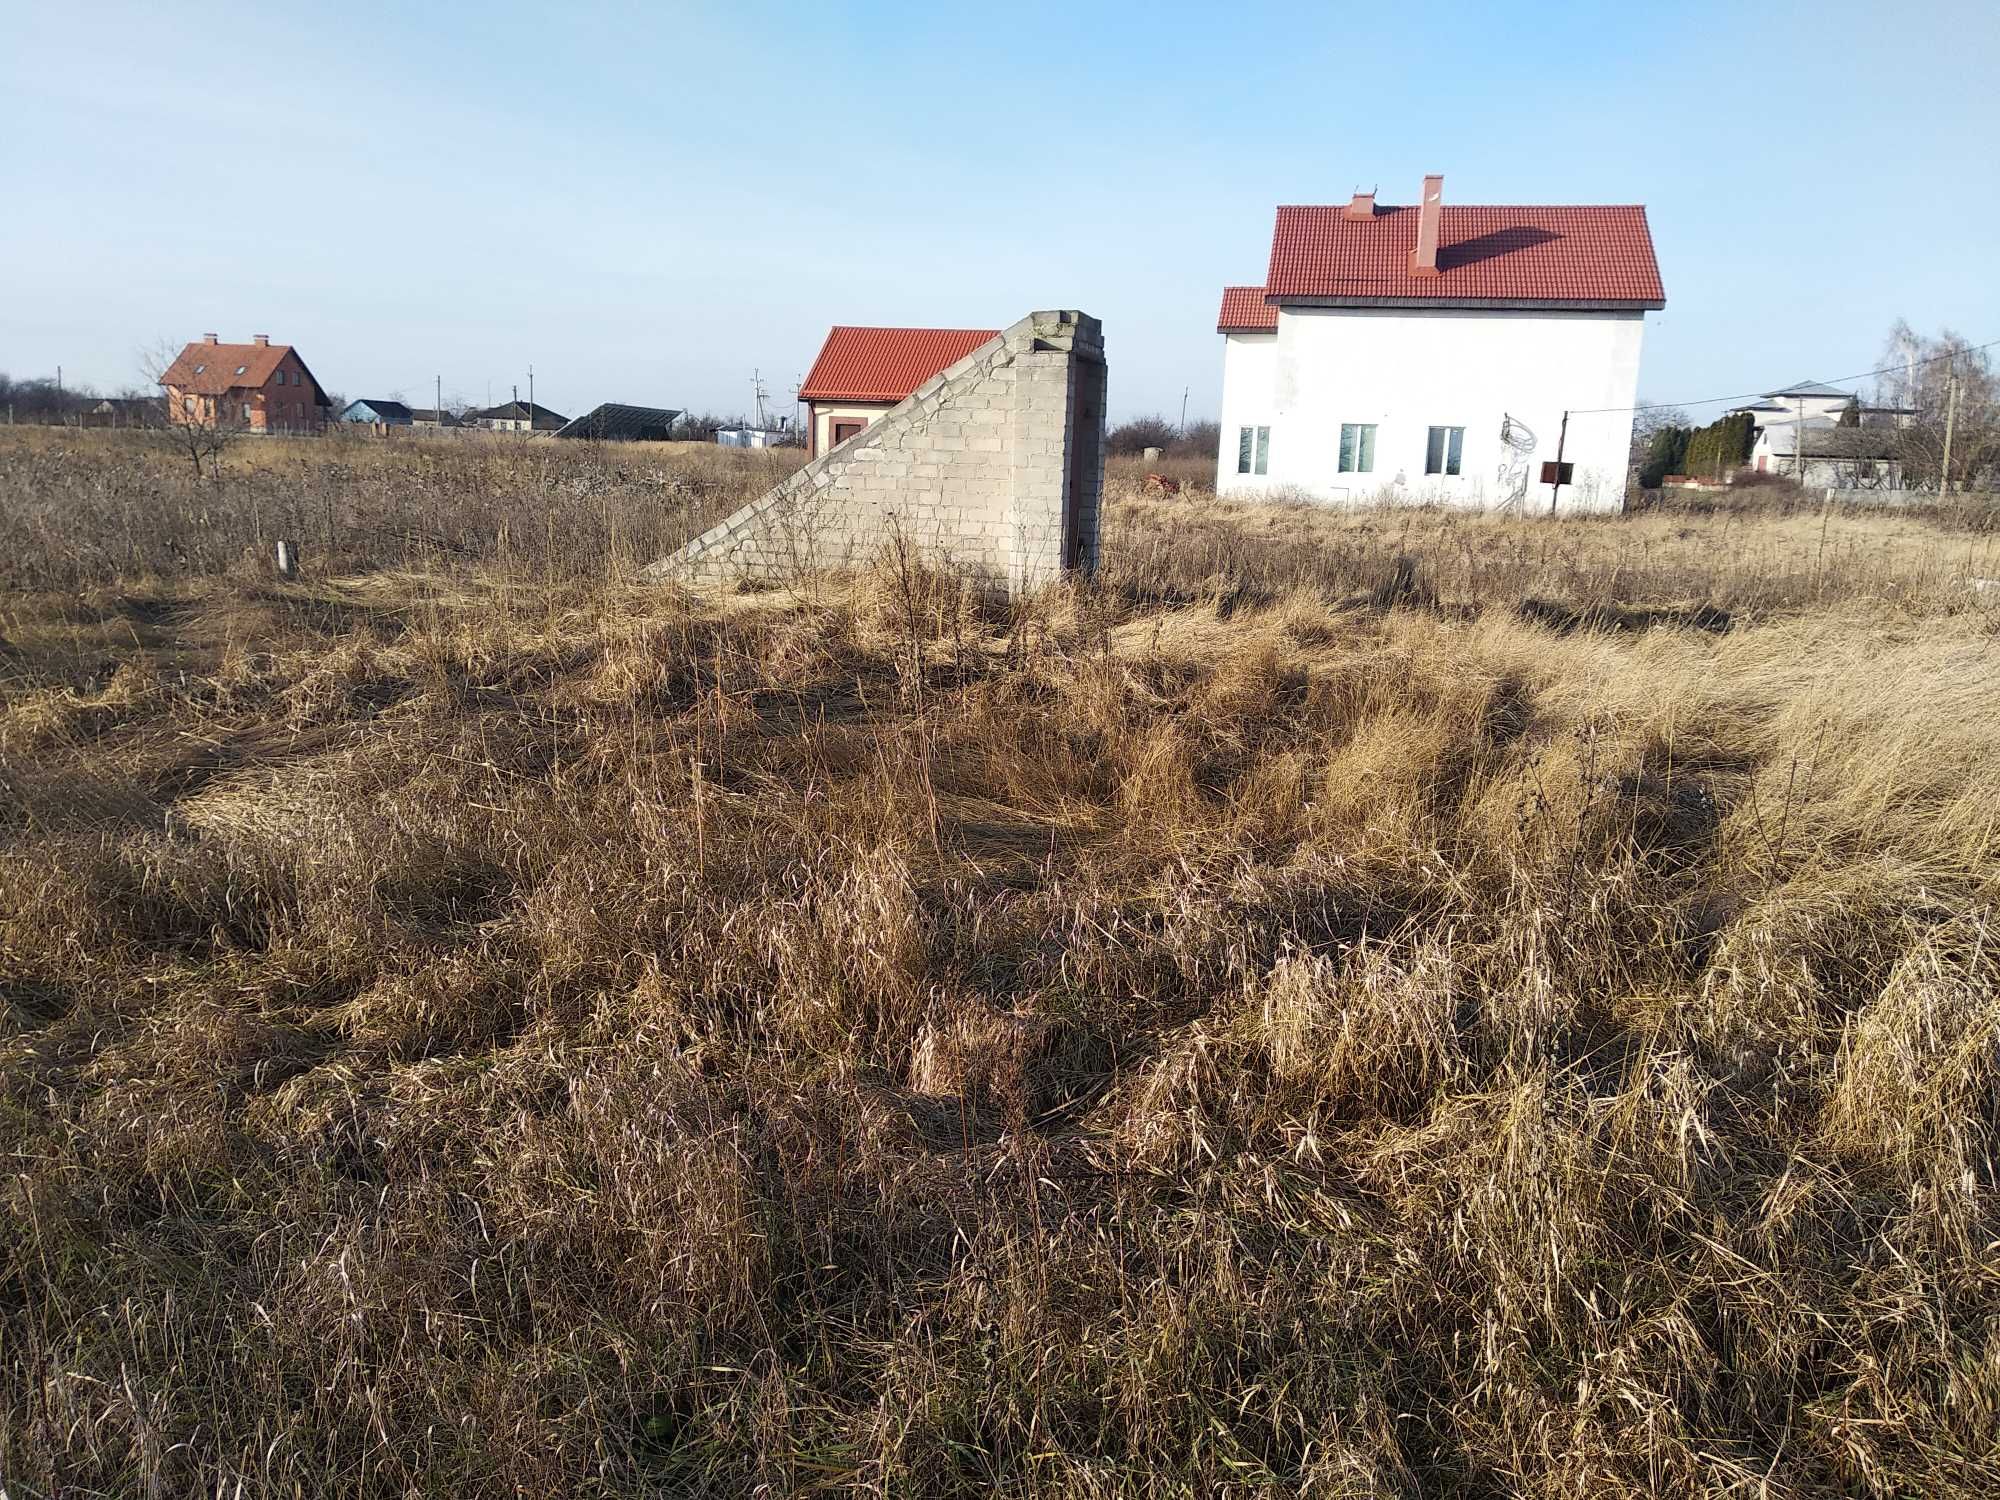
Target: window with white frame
{"type": "Point", "coordinates": [1444, 452]}
{"type": "Point", "coordinates": [1253, 450]}
{"type": "Point", "coordinates": [1357, 447]}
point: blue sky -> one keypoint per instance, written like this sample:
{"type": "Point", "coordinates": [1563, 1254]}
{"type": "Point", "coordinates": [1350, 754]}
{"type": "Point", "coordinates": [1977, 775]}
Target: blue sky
{"type": "Point", "coordinates": [648, 201]}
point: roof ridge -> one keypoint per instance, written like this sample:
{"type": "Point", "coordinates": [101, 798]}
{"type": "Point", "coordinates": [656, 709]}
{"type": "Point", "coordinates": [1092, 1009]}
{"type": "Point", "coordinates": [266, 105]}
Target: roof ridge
{"type": "Point", "coordinates": [1382, 208]}
{"type": "Point", "coordinates": [908, 328]}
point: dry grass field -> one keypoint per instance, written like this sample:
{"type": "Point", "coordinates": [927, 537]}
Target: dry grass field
{"type": "Point", "coordinates": [1346, 1005]}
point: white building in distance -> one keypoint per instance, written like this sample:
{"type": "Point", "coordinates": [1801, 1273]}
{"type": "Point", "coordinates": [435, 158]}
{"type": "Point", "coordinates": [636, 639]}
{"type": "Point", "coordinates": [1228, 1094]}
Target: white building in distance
{"type": "Point", "coordinates": [1807, 402]}
{"type": "Point", "coordinates": [1428, 354]}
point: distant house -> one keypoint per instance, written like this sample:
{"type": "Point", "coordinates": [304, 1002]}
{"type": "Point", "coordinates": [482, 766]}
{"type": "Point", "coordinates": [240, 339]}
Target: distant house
{"type": "Point", "coordinates": [751, 437]}
{"type": "Point", "coordinates": [1812, 404]}
{"type": "Point", "coordinates": [616, 423]}
{"type": "Point", "coordinates": [259, 386]}
{"type": "Point", "coordinates": [1809, 398]}
{"type": "Point", "coordinates": [1808, 401]}
{"type": "Point", "coordinates": [1448, 354]}
{"type": "Point", "coordinates": [379, 411]}
{"type": "Point", "coordinates": [431, 417]}
{"type": "Point", "coordinates": [516, 416]}
{"type": "Point", "coordinates": [1820, 454]}
{"type": "Point", "coordinates": [863, 372]}
{"type": "Point", "coordinates": [127, 411]}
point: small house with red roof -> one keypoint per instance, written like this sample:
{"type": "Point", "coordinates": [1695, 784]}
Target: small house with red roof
{"type": "Point", "coordinates": [864, 372]}
{"type": "Point", "coordinates": [1439, 353]}
{"type": "Point", "coordinates": [259, 386]}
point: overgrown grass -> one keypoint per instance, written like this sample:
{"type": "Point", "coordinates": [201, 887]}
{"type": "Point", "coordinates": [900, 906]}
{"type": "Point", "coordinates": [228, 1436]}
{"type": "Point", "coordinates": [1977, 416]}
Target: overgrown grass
{"type": "Point", "coordinates": [78, 508]}
{"type": "Point", "coordinates": [1278, 1021]}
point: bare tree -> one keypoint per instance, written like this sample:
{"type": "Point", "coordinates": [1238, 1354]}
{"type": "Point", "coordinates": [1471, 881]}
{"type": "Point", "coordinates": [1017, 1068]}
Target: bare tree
{"type": "Point", "coordinates": [1651, 417]}
{"type": "Point", "coordinates": [1648, 422]}
{"type": "Point", "coordinates": [1948, 396]}
{"type": "Point", "coordinates": [1139, 434]}
{"type": "Point", "coordinates": [197, 430]}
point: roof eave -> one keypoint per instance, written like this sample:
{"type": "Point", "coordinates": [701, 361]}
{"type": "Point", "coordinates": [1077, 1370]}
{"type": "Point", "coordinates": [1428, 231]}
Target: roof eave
{"type": "Point", "coordinates": [1532, 304]}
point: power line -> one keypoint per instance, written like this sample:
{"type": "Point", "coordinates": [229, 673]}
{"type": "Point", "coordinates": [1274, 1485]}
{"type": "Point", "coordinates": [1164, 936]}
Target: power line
{"type": "Point", "coordinates": [1582, 411]}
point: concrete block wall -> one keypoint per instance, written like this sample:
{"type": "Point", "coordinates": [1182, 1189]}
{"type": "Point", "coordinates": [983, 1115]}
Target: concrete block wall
{"type": "Point", "coordinates": [995, 465]}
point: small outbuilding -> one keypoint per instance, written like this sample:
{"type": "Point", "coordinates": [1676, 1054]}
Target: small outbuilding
{"type": "Point", "coordinates": [751, 437]}
{"type": "Point", "coordinates": [127, 411]}
{"type": "Point", "coordinates": [516, 416]}
{"type": "Point", "coordinates": [863, 372]}
{"type": "Point", "coordinates": [376, 412]}
{"type": "Point", "coordinates": [1821, 455]}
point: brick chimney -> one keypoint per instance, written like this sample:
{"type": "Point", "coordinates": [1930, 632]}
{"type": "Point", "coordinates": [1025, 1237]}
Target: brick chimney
{"type": "Point", "coordinates": [1362, 206]}
{"type": "Point", "coordinates": [1424, 258]}
{"type": "Point", "coordinates": [209, 338]}
{"type": "Point", "coordinates": [261, 340]}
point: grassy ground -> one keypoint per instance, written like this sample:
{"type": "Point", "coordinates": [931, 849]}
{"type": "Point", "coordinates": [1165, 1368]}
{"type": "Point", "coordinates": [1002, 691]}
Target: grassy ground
{"type": "Point", "coordinates": [1349, 1005]}
{"type": "Point", "coordinates": [78, 508]}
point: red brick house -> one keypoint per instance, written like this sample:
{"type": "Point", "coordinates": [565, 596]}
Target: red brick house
{"type": "Point", "coordinates": [862, 372]}
{"type": "Point", "coordinates": [260, 386]}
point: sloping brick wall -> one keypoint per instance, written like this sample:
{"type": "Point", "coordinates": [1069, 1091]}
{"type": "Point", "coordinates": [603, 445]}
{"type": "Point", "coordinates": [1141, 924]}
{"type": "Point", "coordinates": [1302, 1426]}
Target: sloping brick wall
{"type": "Point", "coordinates": [995, 465]}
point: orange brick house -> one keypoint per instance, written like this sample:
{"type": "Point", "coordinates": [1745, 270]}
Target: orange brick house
{"type": "Point", "coordinates": [261, 386]}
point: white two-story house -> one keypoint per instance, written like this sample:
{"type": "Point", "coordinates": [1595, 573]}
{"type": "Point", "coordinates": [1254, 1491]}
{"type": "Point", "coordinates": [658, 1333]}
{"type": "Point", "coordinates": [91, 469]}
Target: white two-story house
{"type": "Point", "coordinates": [1431, 354]}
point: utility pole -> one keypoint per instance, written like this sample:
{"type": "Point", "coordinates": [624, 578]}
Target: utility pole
{"type": "Point", "coordinates": [438, 410]}
{"type": "Point", "coordinates": [1184, 396]}
{"type": "Point", "coordinates": [1799, 437]}
{"type": "Point", "coordinates": [1950, 417]}
{"type": "Point", "coordinates": [531, 398]}
{"type": "Point", "coordinates": [1555, 490]}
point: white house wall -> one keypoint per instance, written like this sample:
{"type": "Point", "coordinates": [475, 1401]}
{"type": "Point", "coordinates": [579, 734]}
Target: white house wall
{"type": "Point", "coordinates": [1818, 411]}
{"type": "Point", "coordinates": [826, 413]}
{"type": "Point", "coordinates": [1249, 363]}
{"type": "Point", "coordinates": [1829, 407]}
{"type": "Point", "coordinates": [1408, 370]}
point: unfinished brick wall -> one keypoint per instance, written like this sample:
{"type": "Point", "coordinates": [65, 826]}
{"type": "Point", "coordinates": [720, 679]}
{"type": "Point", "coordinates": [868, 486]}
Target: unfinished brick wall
{"type": "Point", "coordinates": [995, 465]}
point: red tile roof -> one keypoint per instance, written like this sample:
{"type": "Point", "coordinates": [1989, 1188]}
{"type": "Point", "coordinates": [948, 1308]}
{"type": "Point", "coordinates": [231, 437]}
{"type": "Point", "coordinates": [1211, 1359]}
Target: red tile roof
{"type": "Point", "coordinates": [1594, 255]}
{"type": "Point", "coordinates": [1244, 310]}
{"type": "Point", "coordinates": [211, 369]}
{"type": "Point", "coordinates": [886, 364]}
